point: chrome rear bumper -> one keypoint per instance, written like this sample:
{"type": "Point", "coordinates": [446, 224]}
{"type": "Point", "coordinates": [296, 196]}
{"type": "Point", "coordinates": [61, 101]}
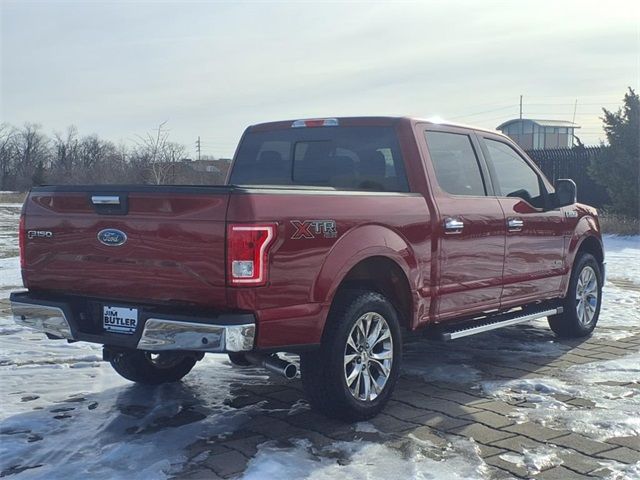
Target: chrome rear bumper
{"type": "Point", "coordinates": [43, 318]}
{"type": "Point", "coordinates": [161, 334]}
{"type": "Point", "coordinates": [226, 332]}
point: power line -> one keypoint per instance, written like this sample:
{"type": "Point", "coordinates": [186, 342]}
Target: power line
{"type": "Point", "coordinates": [484, 111]}
{"type": "Point", "coordinates": [500, 117]}
{"type": "Point", "coordinates": [608, 95]}
{"type": "Point", "coordinates": [528, 106]}
{"type": "Point", "coordinates": [570, 104]}
{"type": "Point", "coordinates": [217, 142]}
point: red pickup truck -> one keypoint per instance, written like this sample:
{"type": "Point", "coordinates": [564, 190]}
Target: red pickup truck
{"type": "Point", "coordinates": [330, 237]}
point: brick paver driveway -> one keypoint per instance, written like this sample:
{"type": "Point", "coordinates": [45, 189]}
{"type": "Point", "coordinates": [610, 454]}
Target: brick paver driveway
{"type": "Point", "coordinates": [534, 407]}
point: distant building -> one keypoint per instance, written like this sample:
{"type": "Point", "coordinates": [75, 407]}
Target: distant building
{"type": "Point", "coordinates": [539, 134]}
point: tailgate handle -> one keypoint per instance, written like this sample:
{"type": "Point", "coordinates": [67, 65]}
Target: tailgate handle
{"type": "Point", "coordinates": [110, 204]}
{"type": "Point", "coordinates": [105, 199]}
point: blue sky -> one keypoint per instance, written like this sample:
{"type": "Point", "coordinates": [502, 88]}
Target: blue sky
{"type": "Point", "coordinates": [120, 68]}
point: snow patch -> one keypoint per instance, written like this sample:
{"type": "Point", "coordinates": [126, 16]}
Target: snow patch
{"type": "Point", "coordinates": [368, 460]}
{"type": "Point", "coordinates": [365, 427]}
{"type": "Point", "coordinates": [91, 423]}
{"type": "Point", "coordinates": [534, 461]}
{"type": "Point", "coordinates": [10, 276]}
{"type": "Point", "coordinates": [607, 394]}
{"type": "Point", "coordinates": [620, 312]}
{"type": "Point", "coordinates": [617, 471]}
{"type": "Point", "coordinates": [9, 217]}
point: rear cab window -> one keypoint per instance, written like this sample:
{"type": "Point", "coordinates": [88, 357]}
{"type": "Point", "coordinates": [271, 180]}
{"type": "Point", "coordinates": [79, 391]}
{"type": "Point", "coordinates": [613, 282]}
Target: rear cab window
{"type": "Point", "coordinates": [343, 157]}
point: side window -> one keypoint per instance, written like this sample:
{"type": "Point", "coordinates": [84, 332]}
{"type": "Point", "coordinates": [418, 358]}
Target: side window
{"type": "Point", "coordinates": [456, 164]}
{"type": "Point", "coordinates": [514, 177]}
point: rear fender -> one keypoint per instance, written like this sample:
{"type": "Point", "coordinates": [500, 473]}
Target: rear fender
{"type": "Point", "coordinates": [358, 245]}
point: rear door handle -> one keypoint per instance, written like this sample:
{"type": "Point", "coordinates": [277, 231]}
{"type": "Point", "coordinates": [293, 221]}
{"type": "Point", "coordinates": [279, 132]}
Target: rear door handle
{"type": "Point", "coordinates": [453, 226]}
{"type": "Point", "coordinates": [515, 224]}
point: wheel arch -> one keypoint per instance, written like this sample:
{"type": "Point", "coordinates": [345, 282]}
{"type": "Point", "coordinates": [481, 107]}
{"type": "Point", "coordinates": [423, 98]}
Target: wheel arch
{"type": "Point", "coordinates": [383, 275]}
{"type": "Point", "coordinates": [586, 239]}
{"type": "Point", "coordinates": [591, 244]}
{"type": "Point", "coordinates": [375, 258]}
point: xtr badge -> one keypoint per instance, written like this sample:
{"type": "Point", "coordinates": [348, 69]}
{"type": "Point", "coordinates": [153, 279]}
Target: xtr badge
{"type": "Point", "coordinates": [312, 228]}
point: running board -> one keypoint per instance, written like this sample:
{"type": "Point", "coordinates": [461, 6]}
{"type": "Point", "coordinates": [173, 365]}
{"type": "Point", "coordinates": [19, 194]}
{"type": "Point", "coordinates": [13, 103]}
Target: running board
{"type": "Point", "coordinates": [503, 320]}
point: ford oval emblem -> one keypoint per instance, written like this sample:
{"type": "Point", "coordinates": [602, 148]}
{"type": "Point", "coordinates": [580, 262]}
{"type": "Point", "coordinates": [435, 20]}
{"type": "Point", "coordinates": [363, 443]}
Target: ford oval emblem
{"type": "Point", "coordinates": [112, 237]}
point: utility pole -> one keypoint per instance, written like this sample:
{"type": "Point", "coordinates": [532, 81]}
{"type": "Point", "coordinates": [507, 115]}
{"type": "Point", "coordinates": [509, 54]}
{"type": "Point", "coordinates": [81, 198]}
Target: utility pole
{"type": "Point", "coordinates": [520, 107]}
{"type": "Point", "coordinates": [198, 147]}
{"type": "Point", "coordinates": [521, 124]}
{"type": "Point", "coordinates": [575, 107]}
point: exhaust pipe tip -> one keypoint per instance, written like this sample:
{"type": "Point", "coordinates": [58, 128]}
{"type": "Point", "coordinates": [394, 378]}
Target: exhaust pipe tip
{"type": "Point", "coordinates": [274, 364]}
{"type": "Point", "coordinates": [290, 371]}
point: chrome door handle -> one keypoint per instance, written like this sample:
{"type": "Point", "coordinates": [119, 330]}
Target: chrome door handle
{"type": "Point", "coordinates": [515, 224]}
{"type": "Point", "coordinates": [453, 226]}
{"type": "Point", "coordinates": [105, 199]}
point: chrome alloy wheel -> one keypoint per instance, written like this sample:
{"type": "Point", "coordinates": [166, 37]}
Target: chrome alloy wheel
{"type": "Point", "coordinates": [586, 295]}
{"type": "Point", "coordinates": [368, 356]}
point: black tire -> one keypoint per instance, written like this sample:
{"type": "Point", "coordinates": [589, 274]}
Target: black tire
{"type": "Point", "coordinates": [324, 371]}
{"type": "Point", "coordinates": [239, 359]}
{"type": "Point", "coordinates": [569, 324]}
{"type": "Point", "coordinates": [152, 369]}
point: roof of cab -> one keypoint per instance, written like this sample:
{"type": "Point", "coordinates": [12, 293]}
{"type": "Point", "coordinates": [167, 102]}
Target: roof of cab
{"type": "Point", "coordinates": [365, 121]}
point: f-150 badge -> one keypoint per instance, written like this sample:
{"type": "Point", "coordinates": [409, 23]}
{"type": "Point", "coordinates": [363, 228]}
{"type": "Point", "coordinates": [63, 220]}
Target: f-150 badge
{"type": "Point", "coordinates": [313, 228]}
{"type": "Point", "coordinates": [31, 234]}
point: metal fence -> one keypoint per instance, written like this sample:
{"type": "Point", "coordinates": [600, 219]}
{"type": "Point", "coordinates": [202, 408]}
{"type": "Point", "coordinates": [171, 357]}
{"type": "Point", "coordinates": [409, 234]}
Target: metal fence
{"type": "Point", "coordinates": [573, 163]}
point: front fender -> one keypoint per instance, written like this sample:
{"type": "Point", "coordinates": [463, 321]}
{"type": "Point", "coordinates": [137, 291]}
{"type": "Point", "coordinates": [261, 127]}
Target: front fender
{"type": "Point", "coordinates": [586, 227]}
{"type": "Point", "coordinates": [359, 244]}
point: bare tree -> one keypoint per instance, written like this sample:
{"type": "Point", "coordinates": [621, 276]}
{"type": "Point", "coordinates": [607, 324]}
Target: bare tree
{"type": "Point", "coordinates": [29, 157]}
{"type": "Point", "coordinates": [7, 154]}
{"type": "Point", "coordinates": [33, 156]}
{"type": "Point", "coordinates": [157, 155]}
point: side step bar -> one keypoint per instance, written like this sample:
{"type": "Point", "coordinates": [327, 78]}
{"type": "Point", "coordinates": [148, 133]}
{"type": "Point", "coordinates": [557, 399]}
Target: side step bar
{"type": "Point", "coordinates": [503, 320]}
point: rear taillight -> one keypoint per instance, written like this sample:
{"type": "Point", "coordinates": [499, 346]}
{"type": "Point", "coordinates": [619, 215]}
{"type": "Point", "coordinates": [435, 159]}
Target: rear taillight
{"type": "Point", "coordinates": [22, 235]}
{"type": "Point", "coordinates": [248, 253]}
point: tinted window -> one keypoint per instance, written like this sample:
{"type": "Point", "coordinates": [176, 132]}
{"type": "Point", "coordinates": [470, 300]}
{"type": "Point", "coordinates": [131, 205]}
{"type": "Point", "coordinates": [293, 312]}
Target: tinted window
{"type": "Point", "coordinates": [514, 177]}
{"type": "Point", "coordinates": [350, 158]}
{"type": "Point", "coordinates": [455, 163]}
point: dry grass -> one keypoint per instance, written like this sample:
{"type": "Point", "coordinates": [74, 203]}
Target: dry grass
{"type": "Point", "coordinates": [619, 224]}
{"type": "Point", "coordinates": [12, 197]}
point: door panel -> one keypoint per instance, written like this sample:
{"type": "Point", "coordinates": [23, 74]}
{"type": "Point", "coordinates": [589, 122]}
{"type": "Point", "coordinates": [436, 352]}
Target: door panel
{"type": "Point", "coordinates": [534, 253]}
{"type": "Point", "coordinates": [471, 261]}
{"type": "Point", "coordinates": [535, 237]}
{"type": "Point", "coordinates": [470, 228]}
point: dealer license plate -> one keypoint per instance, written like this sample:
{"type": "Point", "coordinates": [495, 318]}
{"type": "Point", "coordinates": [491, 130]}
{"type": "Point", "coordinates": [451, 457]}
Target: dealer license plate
{"type": "Point", "coordinates": [119, 319]}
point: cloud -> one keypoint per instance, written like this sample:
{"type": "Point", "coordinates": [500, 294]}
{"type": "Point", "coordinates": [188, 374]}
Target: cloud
{"type": "Point", "coordinates": [211, 68]}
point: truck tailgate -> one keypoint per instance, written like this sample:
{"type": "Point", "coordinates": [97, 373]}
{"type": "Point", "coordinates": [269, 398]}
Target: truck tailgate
{"type": "Point", "coordinates": [173, 246]}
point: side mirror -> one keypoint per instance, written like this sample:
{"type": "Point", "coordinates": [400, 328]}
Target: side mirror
{"type": "Point", "coordinates": [566, 193]}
